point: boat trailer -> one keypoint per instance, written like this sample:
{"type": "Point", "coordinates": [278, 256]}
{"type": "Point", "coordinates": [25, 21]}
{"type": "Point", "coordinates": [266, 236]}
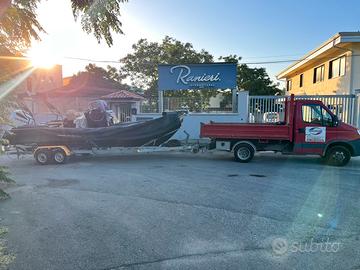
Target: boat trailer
{"type": "Point", "coordinates": [60, 154]}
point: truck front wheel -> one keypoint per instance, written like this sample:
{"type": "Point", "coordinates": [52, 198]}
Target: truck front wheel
{"type": "Point", "coordinates": [338, 156]}
{"type": "Point", "coordinates": [243, 152]}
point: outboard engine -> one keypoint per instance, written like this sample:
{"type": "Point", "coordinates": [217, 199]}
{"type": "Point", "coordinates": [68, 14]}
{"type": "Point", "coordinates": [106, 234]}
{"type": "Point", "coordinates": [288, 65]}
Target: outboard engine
{"type": "Point", "coordinates": [98, 115]}
{"type": "Point", "coordinates": [21, 118]}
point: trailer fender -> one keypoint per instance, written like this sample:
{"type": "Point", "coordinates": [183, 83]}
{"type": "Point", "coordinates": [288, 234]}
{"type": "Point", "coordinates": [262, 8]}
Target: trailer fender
{"type": "Point", "coordinates": [246, 142]}
{"type": "Point", "coordinates": [53, 147]}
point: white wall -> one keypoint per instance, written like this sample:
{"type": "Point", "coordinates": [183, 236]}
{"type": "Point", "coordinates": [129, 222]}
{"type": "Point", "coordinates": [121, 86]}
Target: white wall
{"type": "Point", "coordinates": [191, 122]}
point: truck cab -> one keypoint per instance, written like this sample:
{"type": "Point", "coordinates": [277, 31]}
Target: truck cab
{"type": "Point", "coordinates": [318, 131]}
{"type": "Point", "coordinates": [309, 128]}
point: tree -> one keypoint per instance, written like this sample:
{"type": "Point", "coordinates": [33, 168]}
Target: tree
{"type": "Point", "coordinates": [110, 73]}
{"type": "Point", "coordinates": [254, 80]}
{"type": "Point", "coordinates": [141, 66]}
{"type": "Point", "coordinates": [8, 70]}
{"type": "Point", "coordinates": [100, 76]}
{"type": "Point", "coordinates": [19, 24]}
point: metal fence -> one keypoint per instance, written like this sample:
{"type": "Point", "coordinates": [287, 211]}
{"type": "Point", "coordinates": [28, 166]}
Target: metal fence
{"type": "Point", "coordinates": [191, 104]}
{"type": "Point", "coordinates": [195, 104]}
{"type": "Point", "coordinates": [267, 109]}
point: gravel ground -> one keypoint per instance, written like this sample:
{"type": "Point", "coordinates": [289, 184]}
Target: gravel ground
{"type": "Point", "coordinates": [183, 211]}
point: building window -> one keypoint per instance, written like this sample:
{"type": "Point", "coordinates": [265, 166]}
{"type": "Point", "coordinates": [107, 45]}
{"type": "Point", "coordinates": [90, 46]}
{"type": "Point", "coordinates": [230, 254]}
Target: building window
{"type": "Point", "coordinates": [288, 85]}
{"type": "Point", "coordinates": [301, 80]}
{"type": "Point", "coordinates": [319, 74]}
{"type": "Point", "coordinates": [337, 67]}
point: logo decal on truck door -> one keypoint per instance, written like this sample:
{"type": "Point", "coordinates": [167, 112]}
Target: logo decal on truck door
{"type": "Point", "coordinates": [315, 134]}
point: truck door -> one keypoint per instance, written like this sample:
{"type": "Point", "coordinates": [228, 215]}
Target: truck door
{"type": "Point", "coordinates": [314, 128]}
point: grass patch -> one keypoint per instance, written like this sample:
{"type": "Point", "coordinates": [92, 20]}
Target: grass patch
{"type": "Point", "coordinates": [3, 195]}
{"type": "Point", "coordinates": [5, 257]}
{"type": "Point", "coordinates": [5, 175]}
{"type": "Point", "coordinates": [4, 179]}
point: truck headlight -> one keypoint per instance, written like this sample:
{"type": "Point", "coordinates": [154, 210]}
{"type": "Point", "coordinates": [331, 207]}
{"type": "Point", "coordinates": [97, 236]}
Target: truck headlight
{"type": "Point", "coordinates": [358, 131]}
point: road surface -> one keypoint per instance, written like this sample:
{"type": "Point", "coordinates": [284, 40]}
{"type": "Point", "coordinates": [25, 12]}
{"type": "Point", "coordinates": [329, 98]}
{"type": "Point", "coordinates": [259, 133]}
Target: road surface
{"type": "Point", "coordinates": [183, 211]}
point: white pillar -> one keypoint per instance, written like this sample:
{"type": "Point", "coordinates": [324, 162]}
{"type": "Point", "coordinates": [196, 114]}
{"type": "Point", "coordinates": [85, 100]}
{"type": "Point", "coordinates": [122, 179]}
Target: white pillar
{"type": "Point", "coordinates": [161, 101]}
{"type": "Point", "coordinates": [234, 100]}
{"type": "Point", "coordinates": [243, 106]}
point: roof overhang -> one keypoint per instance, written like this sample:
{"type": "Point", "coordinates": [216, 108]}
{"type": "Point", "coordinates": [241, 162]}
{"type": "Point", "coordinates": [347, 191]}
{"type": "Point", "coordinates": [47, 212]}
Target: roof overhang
{"type": "Point", "coordinates": [333, 42]}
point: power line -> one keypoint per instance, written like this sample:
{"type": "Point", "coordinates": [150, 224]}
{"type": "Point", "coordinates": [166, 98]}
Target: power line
{"type": "Point", "coordinates": [151, 63]}
{"type": "Point", "coordinates": [94, 61]}
{"type": "Point", "coordinates": [269, 62]}
{"type": "Point", "coordinates": [270, 56]}
{"type": "Point", "coordinates": [246, 63]}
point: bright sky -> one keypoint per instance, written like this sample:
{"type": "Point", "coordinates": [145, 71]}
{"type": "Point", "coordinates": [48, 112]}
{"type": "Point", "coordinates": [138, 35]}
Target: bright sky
{"type": "Point", "coordinates": [257, 30]}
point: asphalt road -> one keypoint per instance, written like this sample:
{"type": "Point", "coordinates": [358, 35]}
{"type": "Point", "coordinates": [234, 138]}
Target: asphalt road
{"type": "Point", "coordinates": [183, 211]}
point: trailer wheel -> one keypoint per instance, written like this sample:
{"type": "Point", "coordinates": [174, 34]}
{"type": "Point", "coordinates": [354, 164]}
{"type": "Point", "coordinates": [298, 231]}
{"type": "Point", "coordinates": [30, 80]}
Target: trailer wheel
{"type": "Point", "coordinates": [42, 156]}
{"type": "Point", "coordinates": [244, 152]}
{"type": "Point", "coordinates": [338, 156]}
{"type": "Point", "coordinates": [59, 156]}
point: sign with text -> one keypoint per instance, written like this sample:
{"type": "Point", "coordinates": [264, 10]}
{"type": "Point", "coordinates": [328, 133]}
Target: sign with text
{"type": "Point", "coordinates": [315, 134]}
{"type": "Point", "coordinates": [197, 76]}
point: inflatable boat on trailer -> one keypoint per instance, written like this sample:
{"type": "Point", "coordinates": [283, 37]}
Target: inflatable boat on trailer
{"type": "Point", "coordinates": [57, 143]}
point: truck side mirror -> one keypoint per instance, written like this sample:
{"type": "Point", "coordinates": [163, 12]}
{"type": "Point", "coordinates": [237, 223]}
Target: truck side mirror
{"type": "Point", "coordinates": [336, 121]}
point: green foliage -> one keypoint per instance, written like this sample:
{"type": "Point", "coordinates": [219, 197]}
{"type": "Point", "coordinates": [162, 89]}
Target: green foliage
{"type": "Point", "coordinates": [5, 257]}
{"type": "Point", "coordinates": [110, 73]}
{"type": "Point", "coordinates": [99, 17]}
{"type": "Point", "coordinates": [4, 178]}
{"type": "Point", "coordinates": [101, 77]}
{"type": "Point", "coordinates": [5, 106]}
{"type": "Point", "coordinates": [5, 175]}
{"type": "Point", "coordinates": [3, 196]}
{"type": "Point", "coordinates": [19, 24]}
{"type": "Point", "coordinates": [7, 69]}
{"type": "Point", "coordinates": [141, 67]}
{"type": "Point", "coordinates": [254, 80]}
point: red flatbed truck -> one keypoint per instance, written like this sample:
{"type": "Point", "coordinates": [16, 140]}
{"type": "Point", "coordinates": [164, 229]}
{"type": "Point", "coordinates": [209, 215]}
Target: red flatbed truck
{"type": "Point", "coordinates": [309, 127]}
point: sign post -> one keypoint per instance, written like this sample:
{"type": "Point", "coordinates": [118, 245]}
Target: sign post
{"type": "Point", "coordinates": [196, 76]}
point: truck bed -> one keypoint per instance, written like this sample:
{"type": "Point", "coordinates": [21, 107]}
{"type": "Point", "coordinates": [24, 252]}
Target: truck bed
{"type": "Point", "coordinates": [245, 131]}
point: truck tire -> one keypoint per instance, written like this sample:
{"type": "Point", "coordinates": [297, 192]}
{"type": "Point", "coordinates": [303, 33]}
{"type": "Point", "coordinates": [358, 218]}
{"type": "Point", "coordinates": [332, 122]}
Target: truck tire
{"type": "Point", "coordinates": [244, 152]}
{"type": "Point", "coordinates": [42, 156]}
{"type": "Point", "coordinates": [338, 156]}
{"type": "Point", "coordinates": [59, 156]}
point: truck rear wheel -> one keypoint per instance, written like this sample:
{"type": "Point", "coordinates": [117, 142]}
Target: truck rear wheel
{"type": "Point", "coordinates": [42, 156]}
{"type": "Point", "coordinates": [338, 156]}
{"type": "Point", "coordinates": [244, 152]}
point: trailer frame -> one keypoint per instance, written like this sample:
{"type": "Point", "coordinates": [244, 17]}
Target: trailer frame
{"type": "Point", "coordinates": [61, 154]}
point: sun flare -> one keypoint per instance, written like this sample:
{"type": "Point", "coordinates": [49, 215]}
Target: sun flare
{"type": "Point", "coordinates": [42, 58]}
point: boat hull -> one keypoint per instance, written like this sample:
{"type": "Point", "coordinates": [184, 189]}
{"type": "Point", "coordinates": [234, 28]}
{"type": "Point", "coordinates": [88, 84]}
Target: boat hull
{"type": "Point", "coordinates": [152, 132]}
